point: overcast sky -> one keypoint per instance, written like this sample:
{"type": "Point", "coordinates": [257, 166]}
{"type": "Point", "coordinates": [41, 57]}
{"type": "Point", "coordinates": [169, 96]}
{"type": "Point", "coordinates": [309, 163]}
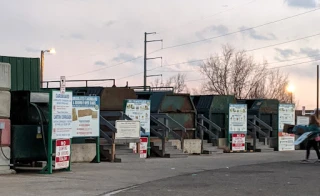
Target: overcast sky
{"type": "Point", "coordinates": [91, 35]}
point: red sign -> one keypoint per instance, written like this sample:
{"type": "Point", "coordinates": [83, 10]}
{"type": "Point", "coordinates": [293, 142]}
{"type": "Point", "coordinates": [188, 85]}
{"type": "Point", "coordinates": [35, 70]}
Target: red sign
{"type": "Point", "coordinates": [238, 142]}
{"type": "Point", "coordinates": [143, 147]}
{"type": "Point", "coordinates": [62, 159]}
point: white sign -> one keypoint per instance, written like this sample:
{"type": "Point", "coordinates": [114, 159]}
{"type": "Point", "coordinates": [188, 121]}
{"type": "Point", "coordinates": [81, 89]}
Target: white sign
{"type": "Point", "coordinates": [237, 118]}
{"type": "Point", "coordinates": [62, 158]}
{"type": "Point", "coordinates": [286, 141]}
{"type": "Point", "coordinates": [61, 115]}
{"type": "Point", "coordinates": [303, 120]}
{"type": "Point", "coordinates": [238, 142]}
{"type": "Point", "coordinates": [286, 115]}
{"type": "Point", "coordinates": [62, 84]}
{"type": "Point", "coordinates": [85, 116]}
{"type": "Point", "coordinates": [139, 110]}
{"type": "Point", "coordinates": [127, 129]}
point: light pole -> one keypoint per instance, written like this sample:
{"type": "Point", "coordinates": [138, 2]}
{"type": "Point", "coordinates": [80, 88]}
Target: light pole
{"type": "Point", "coordinates": [290, 89]}
{"type": "Point", "coordinates": [52, 51]}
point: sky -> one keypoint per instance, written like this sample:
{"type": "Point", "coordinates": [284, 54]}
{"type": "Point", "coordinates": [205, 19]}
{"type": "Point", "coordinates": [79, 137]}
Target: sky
{"type": "Point", "coordinates": [98, 39]}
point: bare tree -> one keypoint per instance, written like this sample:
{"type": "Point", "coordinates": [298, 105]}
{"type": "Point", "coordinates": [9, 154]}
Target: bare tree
{"type": "Point", "coordinates": [236, 73]}
{"type": "Point", "coordinates": [177, 82]}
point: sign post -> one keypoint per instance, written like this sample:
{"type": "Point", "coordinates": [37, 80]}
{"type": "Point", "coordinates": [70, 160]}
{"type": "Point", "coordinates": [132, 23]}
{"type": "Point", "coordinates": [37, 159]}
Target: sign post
{"type": "Point", "coordinates": [62, 84]}
{"type": "Point", "coordinates": [86, 119]}
{"type": "Point", "coordinates": [60, 129]}
{"type": "Point", "coordinates": [237, 126]}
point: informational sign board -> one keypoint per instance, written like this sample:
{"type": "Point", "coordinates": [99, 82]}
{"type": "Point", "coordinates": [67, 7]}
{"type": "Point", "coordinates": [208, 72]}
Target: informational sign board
{"type": "Point", "coordinates": [139, 110]}
{"type": "Point", "coordinates": [286, 115]}
{"type": "Point", "coordinates": [61, 115]}
{"type": "Point", "coordinates": [62, 159]}
{"type": "Point", "coordinates": [127, 129]}
{"type": "Point", "coordinates": [286, 141]}
{"type": "Point", "coordinates": [237, 118]}
{"type": "Point", "coordinates": [238, 142]}
{"type": "Point", "coordinates": [62, 84]}
{"type": "Point", "coordinates": [302, 138]}
{"type": "Point", "coordinates": [85, 116]}
{"type": "Point", "coordinates": [303, 120]}
{"type": "Point", "coordinates": [143, 147]}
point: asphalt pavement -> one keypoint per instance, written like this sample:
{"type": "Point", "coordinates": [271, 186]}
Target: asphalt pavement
{"type": "Point", "coordinates": [90, 179]}
{"type": "Point", "coordinates": [271, 179]}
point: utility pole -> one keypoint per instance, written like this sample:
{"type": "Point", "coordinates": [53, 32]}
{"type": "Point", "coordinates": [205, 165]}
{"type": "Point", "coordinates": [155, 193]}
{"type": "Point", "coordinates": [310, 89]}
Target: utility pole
{"type": "Point", "coordinates": [317, 111]}
{"type": "Point", "coordinates": [145, 57]}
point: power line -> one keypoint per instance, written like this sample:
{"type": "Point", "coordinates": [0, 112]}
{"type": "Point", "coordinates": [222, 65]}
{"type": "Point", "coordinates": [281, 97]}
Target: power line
{"type": "Point", "coordinates": [278, 67]}
{"type": "Point", "coordinates": [242, 30]}
{"type": "Point", "coordinates": [245, 51]}
{"type": "Point", "coordinates": [251, 50]}
{"type": "Point", "coordinates": [275, 62]}
{"type": "Point", "coordinates": [174, 46]}
{"type": "Point", "coordinates": [215, 14]}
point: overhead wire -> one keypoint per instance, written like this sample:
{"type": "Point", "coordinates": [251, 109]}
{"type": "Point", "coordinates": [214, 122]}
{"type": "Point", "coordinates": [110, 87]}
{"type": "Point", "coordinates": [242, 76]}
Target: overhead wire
{"type": "Point", "coordinates": [251, 50]}
{"type": "Point", "coordinates": [241, 30]}
{"type": "Point", "coordinates": [215, 14]}
{"type": "Point", "coordinates": [188, 43]}
{"type": "Point", "coordinates": [277, 67]}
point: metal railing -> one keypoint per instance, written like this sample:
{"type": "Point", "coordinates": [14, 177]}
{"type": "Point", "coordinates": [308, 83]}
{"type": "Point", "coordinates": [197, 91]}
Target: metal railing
{"type": "Point", "coordinates": [86, 81]}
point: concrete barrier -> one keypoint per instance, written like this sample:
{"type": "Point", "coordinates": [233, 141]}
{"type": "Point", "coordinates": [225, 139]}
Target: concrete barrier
{"type": "Point", "coordinates": [192, 146]}
{"type": "Point", "coordinates": [176, 143]}
{"type": "Point", "coordinates": [81, 153]}
{"type": "Point", "coordinates": [222, 143]}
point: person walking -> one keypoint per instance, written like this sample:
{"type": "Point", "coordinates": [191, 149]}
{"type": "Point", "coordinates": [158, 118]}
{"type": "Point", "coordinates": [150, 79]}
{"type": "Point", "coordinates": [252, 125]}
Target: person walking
{"type": "Point", "coordinates": [311, 141]}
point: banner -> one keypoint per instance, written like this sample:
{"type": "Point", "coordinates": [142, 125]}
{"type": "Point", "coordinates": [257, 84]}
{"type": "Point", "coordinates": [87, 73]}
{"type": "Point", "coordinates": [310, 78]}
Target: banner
{"type": "Point", "coordinates": [139, 110]}
{"type": "Point", "coordinates": [286, 115]}
{"type": "Point", "coordinates": [237, 118]}
{"type": "Point", "coordinates": [86, 116]}
{"type": "Point", "coordinates": [61, 113]}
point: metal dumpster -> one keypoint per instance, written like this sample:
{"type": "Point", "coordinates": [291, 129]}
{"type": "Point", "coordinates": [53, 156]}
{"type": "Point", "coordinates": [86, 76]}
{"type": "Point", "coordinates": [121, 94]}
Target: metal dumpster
{"type": "Point", "coordinates": [267, 111]}
{"type": "Point", "coordinates": [215, 108]}
{"type": "Point", "coordinates": [178, 106]}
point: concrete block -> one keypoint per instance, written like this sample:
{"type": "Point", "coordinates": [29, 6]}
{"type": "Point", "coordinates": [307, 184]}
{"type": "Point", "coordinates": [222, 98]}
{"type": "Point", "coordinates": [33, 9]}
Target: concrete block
{"type": "Point", "coordinates": [222, 143]}
{"type": "Point", "coordinates": [81, 153]}
{"type": "Point", "coordinates": [4, 162]}
{"type": "Point", "coordinates": [176, 143]}
{"type": "Point", "coordinates": [192, 146]}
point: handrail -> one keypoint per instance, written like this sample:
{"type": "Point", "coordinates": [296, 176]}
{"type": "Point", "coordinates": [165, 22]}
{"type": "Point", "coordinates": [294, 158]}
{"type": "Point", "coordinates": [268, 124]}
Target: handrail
{"type": "Point", "coordinates": [153, 119]}
{"type": "Point", "coordinates": [106, 136]}
{"type": "Point", "coordinates": [262, 123]}
{"type": "Point", "coordinates": [258, 128]}
{"type": "Point", "coordinates": [157, 133]}
{"type": "Point", "coordinates": [166, 116]}
{"type": "Point", "coordinates": [201, 116]}
{"type": "Point", "coordinates": [103, 121]}
{"type": "Point", "coordinates": [95, 80]}
{"type": "Point", "coordinates": [207, 131]}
